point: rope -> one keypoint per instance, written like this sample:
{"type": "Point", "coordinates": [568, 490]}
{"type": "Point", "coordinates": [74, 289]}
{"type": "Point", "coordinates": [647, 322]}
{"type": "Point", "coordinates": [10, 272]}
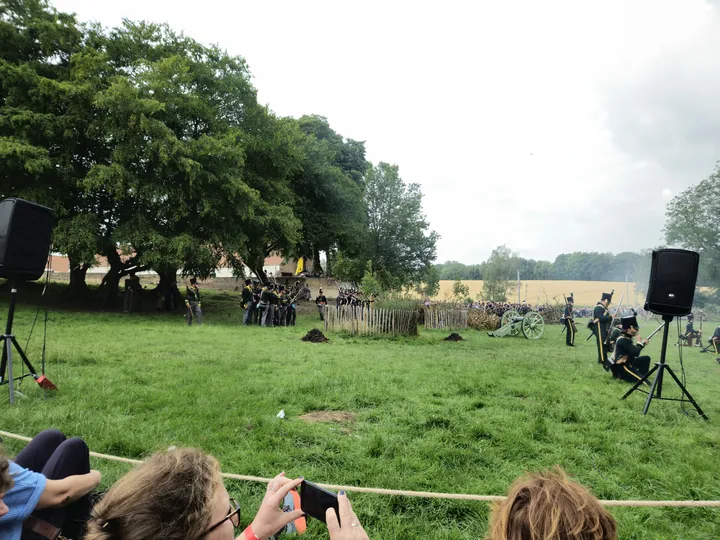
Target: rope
{"type": "Point", "coordinates": [403, 493]}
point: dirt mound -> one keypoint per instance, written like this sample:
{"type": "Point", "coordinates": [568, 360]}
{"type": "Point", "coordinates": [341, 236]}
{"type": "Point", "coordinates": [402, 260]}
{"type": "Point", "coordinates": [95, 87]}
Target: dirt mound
{"type": "Point", "coordinates": [454, 337]}
{"type": "Point", "coordinates": [315, 336]}
{"type": "Point", "coordinates": [335, 417]}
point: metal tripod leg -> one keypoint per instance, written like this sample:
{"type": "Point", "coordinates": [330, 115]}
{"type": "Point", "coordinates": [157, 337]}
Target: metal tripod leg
{"type": "Point", "coordinates": [685, 392]}
{"type": "Point", "coordinates": [7, 362]}
{"type": "Point", "coordinates": [658, 378]}
{"type": "Point", "coordinates": [7, 357]}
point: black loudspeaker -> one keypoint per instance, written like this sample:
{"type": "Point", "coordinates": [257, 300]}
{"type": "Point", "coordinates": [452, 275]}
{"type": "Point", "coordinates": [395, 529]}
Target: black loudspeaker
{"type": "Point", "coordinates": [672, 282]}
{"type": "Point", "coordinates": [25, 235]}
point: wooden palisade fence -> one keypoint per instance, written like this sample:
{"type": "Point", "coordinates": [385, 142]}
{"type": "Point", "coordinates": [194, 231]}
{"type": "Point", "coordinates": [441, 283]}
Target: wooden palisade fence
{"type": "Point", "coordinates": [451, 319]}
{"type": "Point", "coordinates": [371, 321]}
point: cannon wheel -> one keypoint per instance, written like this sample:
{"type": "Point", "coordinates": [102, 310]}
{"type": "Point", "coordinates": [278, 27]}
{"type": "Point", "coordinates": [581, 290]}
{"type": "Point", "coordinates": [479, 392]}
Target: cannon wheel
{"type": "Point", "coordinates": [507, 318]}
{"type": "Point", "coordinates": [533, 325]}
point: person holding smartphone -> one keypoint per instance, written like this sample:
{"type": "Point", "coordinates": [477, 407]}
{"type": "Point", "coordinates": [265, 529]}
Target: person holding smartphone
{"type": "Point", "coordinates": [180, 495]}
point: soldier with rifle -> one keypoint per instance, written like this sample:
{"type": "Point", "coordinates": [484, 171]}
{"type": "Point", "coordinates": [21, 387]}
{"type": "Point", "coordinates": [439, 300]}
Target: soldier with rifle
{"type": "Point", "coordinates": [628, 365]}
{"type": "Point", "coordinates": [321, 302]}
{"type": "Point", "coordinates": [601, 323]}
{"type": "Point", "coordinates": [256, 315]}
{"type": "Point", "coordinates": [568, 318]}
{"type": "Point", "coordinates": [247, 302]}
{"type": "Point", "coordinates": [192, 302]}
{"type": "Point", "coordinates": [283, 303]}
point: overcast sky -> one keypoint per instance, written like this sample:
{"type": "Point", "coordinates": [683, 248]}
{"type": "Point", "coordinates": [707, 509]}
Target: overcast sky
{"type": "Point", "coordinates": [551, 127]}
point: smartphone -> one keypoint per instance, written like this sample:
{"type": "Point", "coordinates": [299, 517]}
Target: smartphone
{"type": "Point", "coordinates": [314, 501]}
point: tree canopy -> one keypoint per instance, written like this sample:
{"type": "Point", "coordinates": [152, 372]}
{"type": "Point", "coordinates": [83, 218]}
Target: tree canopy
{"type": "Point", "coordinates": [154, 152]}
{"type": "Point", "coordinates": [693, 222]}
{"type": "Point", "coordinates": [581, 266]}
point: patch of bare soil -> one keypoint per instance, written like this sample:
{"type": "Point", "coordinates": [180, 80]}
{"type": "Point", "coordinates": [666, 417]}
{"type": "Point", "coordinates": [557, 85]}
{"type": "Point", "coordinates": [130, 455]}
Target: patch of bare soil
{"type": "Point", "coordinates": [334, 417]}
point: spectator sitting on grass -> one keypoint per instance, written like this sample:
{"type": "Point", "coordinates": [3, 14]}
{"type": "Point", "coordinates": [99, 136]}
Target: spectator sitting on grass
{"type": "Point", "coordinates": [50, 480]}
{"type": "Point", "coordinates": [180, 495]}
{"type": "Point", "coordinates": [549, 506]}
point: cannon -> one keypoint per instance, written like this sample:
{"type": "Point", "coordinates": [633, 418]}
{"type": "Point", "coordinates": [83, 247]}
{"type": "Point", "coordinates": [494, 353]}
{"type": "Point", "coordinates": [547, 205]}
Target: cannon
{"type": "Point", "coordinates": [512, 323]}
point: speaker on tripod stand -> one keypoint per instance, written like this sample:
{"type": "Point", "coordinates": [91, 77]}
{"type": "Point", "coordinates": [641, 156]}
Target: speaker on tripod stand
{"type": "Point", "coordinates": [25, 236]}
{"type": "Point", "coordinates": [671, 291]}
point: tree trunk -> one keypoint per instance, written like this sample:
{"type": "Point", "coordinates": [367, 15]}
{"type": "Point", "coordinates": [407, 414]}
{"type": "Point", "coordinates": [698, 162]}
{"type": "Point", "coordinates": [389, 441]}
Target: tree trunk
{"type": "Point", "coordinates": [77, 291]}
{"type": "Point", "coordinates": [167, 276]}
{"type": "Point", "coordinates": [110, 287]}
{"type": "Point", "coordinates": [78, 287]}
{"type": "Point", "coordinates": [165, 299]}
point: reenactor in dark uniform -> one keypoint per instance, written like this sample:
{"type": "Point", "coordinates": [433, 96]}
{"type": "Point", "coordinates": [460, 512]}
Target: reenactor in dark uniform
{"type": "Point", "coordinates": [291, 312]}
{"type": "Point", "coordinates": [715, 342]}
{"type": "Point", "coordinates": [569, 321]}
{"type": "Point", "coordinates": [628, 365]}
{"type": "Point", "coordinates": [247, 302]}
{"type": "Point", "coordinates": [615, 334]}
{"type": "Point", "coordinates": [321, 302]}
{"type": "Point", "coordinates": [256, 315]}
{"type": "Point", "coordinates": [283, 303]}
{"type": "Point", "coordinates": [602, 319]}
{"type": "Point", "coordinates": [691, 333]}
{"type": "Point", "coordinates": [264, 304]}
{"type": "Point", "coordinates": [192, 302]}
{"type": "Point", "coordinates": [271, 303]}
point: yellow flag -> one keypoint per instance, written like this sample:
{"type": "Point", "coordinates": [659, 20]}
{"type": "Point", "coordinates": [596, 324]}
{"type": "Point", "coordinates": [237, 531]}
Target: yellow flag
{"type": "Point", "coordinates": [300, 265]}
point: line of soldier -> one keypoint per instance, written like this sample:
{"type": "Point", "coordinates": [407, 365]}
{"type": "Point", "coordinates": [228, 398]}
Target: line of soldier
{"type": "Point", "coordinates": [619, 350]}
{"type": "Point", "coordinates": [269, 305]}
{"type": "Point", "coordinates": [618, 340]}
{"type": "Point", "coordinates": [351, 297]}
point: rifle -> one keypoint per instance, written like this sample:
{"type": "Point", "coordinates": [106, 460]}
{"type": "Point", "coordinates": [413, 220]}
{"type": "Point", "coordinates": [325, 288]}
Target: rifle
{"type": "Point", "coordinates": [615, 315]}
{"type": "Point", "coordinates": [591, 324]}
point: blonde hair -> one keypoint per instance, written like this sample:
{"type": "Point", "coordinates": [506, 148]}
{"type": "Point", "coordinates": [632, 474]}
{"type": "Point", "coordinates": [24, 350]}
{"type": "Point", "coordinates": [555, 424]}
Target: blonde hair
{"type": "Point", "coordinates": [169, 497]}
{"type": "Point", "coordinates": [549, 506]}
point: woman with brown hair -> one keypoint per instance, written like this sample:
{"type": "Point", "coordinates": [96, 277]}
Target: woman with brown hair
{"type": "Point", "coordinates": [549, 506]}
{"type": "Point", "coordinates": [179, 495]}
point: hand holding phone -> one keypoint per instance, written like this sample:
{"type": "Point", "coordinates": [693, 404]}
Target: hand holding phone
{"type": "Point", "coordinates": [270, 518]}
{"type": "Point", "coordinates": [315, 501]}
{"type": "Point", "coordinates": [350, 528]}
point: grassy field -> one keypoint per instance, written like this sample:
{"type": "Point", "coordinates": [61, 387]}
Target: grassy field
{"type": "Point", "coordinates": [430, 415]}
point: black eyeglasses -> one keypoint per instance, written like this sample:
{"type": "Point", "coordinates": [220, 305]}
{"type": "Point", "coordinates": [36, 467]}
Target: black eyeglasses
{"type": "Point", "coordinates": [233, 516]}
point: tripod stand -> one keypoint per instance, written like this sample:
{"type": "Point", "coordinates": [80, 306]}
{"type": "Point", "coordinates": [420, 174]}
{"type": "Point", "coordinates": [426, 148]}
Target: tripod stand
{"type": "Point", "coordinates": [8, 341]}
{"type": "Point", "coordinates": [660, 368]}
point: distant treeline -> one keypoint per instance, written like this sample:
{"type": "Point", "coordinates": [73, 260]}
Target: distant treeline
{"type": "Point", "coordinates": [580, 266]}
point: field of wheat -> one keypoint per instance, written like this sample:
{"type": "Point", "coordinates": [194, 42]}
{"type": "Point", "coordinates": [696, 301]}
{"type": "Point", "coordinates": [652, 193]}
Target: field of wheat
{"type": "Point", "coordinates": [587, 293]}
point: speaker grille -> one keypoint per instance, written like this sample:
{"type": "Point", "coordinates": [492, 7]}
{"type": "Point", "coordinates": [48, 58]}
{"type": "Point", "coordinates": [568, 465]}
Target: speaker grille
{"type": "Point", "coordinates": [672, 281]}
{"type": "Point", "coordinates": [25, 235]}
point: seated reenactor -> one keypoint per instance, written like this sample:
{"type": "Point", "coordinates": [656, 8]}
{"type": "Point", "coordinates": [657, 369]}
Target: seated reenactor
{"type": "Point", "coordinates": [715, 342]}
{"type": "Point", "coordinates": [628, 364]}
{"type": "Point", "coordinates": [691, 333]}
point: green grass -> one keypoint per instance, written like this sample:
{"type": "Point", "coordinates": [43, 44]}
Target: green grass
{"type": "Point", "coordinates": [431, 415]}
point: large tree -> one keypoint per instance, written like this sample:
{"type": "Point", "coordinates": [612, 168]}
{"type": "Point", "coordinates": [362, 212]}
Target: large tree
{"type": "Point", "coordinates": [49, 77]}
{"type": "Point", "coordinates": [397, 240]}
{"type": "Point", "coordinates": [693, 222]}
{"type": "Point", "coordinates": [329, 188]}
